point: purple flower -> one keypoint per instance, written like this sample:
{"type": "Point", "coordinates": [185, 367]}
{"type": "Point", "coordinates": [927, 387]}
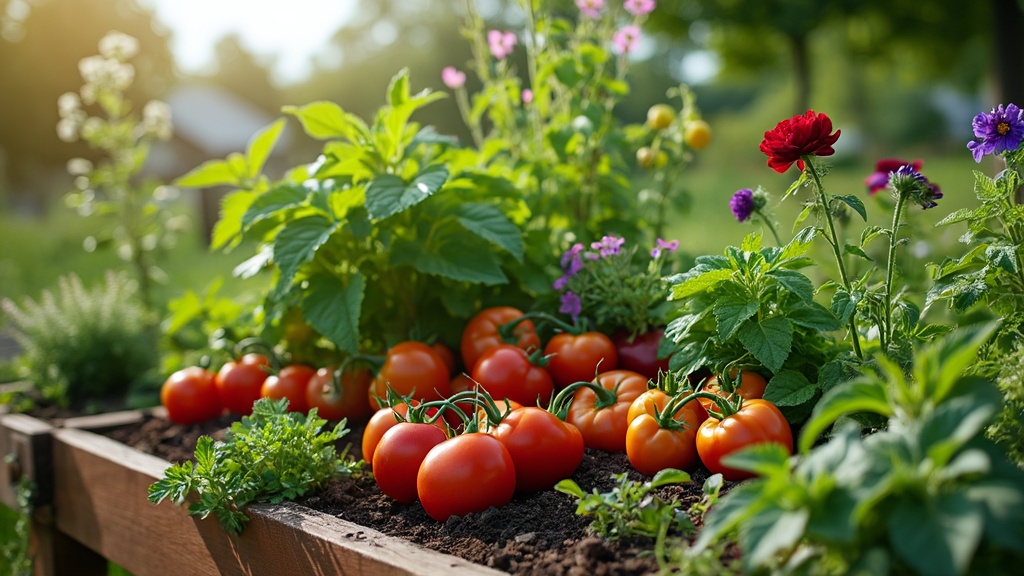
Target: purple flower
{"type": "Point", "coordinates": [742, 204]}
{"type": "Point", "coordinates": [626, 39]}
{"type": "Point", "coordinates": [884, 168]}
{"type": "Point", "coordinates": [590, 8]}
{"type": "Point", "coordinates": [572, 263]}
{"type": "Point", "coordinates": [1001, 130]}
{"type": "Point", "coordinates": [452, 78]}
{"type": "Point", "coordinates": [665, 245]}
{"type": "Point", "coordinates": [639, 7]}
{"type": "Point", "coordinates": [608, 246]}
{"type": "Point", "coordinates": [571, 305]}
{"type": "Point", "coordinates": [500, 43]}
{"type": "Point", "coordinates": [911, 184]}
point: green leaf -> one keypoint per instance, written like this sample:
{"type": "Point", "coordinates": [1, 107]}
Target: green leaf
{"type": "Point", "coordinates": [789, 388]}
{"type": "Point", "coordinates": [844, 304]}
{"type": "Point", "coordinates": [770, 531]}
{"type": "Point", "coordinates": [1002, 256]}
{"type": "Point", "coordinates": [699, 283]}
{"type": "Point", "coordinates": [298, 242]}
{"type": "Point", "coordinates": [870, 233]}
{"type": "Point", "coordinates": [952, 424]}
{"type": "Point", "coordinates": [938, 536]}
{"type": "Point", "coordinates": [940, 366]}
{"type": "Point", "coordinates": [279, 198]}
{"type": "Point", "coordinates": [260, 146]}
{"type": "Point", "coordinates": [211, 173]}
{"type": "Point", "coordinates": [571, 488]}
{"type": "Point", "coordinates": [800, 285]}
{"type": "Point", "coordinates": [459, 258]}
{"type": "Point", "coordinates": [847, 398]}
{"type": "Point", "coordinates": [855, 203]}
{"type": "Point", "coordinates": [769, 459]}
{"type": "Point", "coordinates": [814, 316]}
{"type": "Point", "coordinates": [490, 223]}
{"type": "Point", "coordinates": [669, 476]}
{"type": "Point", "coordinates": [857, 251]}
{"type": "Point", "coordinates": [770, 341]}
{"type": "Point", "coordinates": [387, 194]}
{"type": "Point", "coordinates": [334, 308]}
{"type": "Point", "coordinates": [731, 311]}
{"type": "Point", "coordinates": [1003, 503]}
{"type": "Point", "coordinates": [228, 229]}
{"type": "Point", "coordinates": [738, 504]}
{"type": "Point", "coordinates": [398, 88]}
{"type": "Point", "coordinates": [960, 215]}
{"type": "Point", "coordinates": [322, 120]}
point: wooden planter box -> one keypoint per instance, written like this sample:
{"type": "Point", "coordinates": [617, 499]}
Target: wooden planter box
{"type": "Point", "coordinates": [92, 508]}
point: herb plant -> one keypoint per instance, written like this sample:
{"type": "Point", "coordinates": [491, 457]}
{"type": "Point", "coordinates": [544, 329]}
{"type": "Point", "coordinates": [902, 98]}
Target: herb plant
{"type": "Point", "coordinates": [271, 456]}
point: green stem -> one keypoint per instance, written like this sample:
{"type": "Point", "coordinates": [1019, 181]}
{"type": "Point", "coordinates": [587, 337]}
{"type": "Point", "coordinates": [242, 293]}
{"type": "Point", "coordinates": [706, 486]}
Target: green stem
{"type": "Point", "coordinates": [834, 241]}
{"type": "Point", "coordinates": [771, 228]}
{"type": "Point", "coordinates": [890, 266]}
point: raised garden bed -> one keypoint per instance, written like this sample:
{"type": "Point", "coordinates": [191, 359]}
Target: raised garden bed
{"type": "Point", "coordinates": [100, 476]}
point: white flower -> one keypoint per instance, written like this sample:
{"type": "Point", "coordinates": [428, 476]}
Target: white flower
{"type": "Point", "coordinates": [105, 73]}
{"type": "Point", "coordinates": [79, 166]}
{"type": "Point", "coordinates": [67, 129]}
{"type": "Point", "coordinates": [68, 103]}
{"type": "Point", "coordinates": [156, 119]}
{"type": "Point", "coordinates": [119, 45]}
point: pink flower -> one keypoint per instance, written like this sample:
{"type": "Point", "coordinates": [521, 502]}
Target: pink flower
{"type": "Point", "coordinates": [590, 8]}
{"type": "Point", "coordinates": [626, 39]}
{"type": "Point", "coordinates": [500, 43]}
{"type": "Point", "coordinates": [664, 246]}
{"type": "Point", "coordinates": [452, 78]}
{"type": "Point", "coordinates": [527, 96]}
{"type": "Point", "coordinates": [639, 7]}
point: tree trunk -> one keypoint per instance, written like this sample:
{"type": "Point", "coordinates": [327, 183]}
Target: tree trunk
{"type": "Point", "coordinates": [802, 71]}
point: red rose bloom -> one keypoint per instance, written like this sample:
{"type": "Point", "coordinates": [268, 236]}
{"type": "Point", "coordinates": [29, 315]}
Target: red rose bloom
{"type": "Point", "coordinates": [796, 137]}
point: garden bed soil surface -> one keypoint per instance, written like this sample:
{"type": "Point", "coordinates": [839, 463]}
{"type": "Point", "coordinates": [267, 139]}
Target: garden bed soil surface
{"type": "Point", "coordinates": [534, 534]}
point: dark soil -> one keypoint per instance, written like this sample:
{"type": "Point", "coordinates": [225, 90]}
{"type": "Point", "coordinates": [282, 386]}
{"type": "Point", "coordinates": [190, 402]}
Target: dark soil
{"type": "Point", "coordinates": [534, 534]}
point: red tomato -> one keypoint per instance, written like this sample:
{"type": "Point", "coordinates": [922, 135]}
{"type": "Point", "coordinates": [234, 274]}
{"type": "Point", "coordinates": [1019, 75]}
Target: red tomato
{"type": "Point", "coordinates": [291, 383]}
{"type": "Point", "coordinates": [544, 449]}
{"type": "Point", "coordinates": [641, 355]}
{"type": "Point", "coordinates": [506, 371]}
{"type": "Point", "coordinates": [481, 333]}
{"type": "Point", "coordinates": [578, 358]}
{"type": "Point", "coordinates": [603, 420]}
{"type": "Point", "coordinates": [343, 399]}
{"type": "Point", "coordinates": [382, 421]}
{"type": "Point", "coordinates": [447, 356]}
{"type": "Point", "coordinates": [412, 368]}
{"type": "Point", "coordinates": [190, 396]}
{"type": "Point", "coordinates": [398, 456]}
{"type": "Point", "coordinates": [468, 473]}
{"type": "Point", "coordinates": [239, 382]}
{"type": "Point", "coordinates": [756, 422]}
{"type": "Point", "coordinates": [655, 398]}
{"type": "Point", "coordinates": [652, 448]}
{"type": "Point", "coordinates": [751, 385]}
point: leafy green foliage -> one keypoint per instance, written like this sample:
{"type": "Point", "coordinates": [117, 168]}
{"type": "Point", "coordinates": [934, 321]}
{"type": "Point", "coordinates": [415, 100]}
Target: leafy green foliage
{"type": "Point", "coordinates": [631, 508]}
{"type": "Point", "coordinates": [85, 344]}
{"type": "Point", "coordinates": [271, 456]}
{"type": "Point", "coordinates": [929, 494]}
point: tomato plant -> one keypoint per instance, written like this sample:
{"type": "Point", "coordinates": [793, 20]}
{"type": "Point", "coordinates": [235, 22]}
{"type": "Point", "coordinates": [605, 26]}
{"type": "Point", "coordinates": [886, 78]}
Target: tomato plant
{"type": "Point", "coordinates": [290, 382]}
{"type": "Point", "coordinates": [754, 422]}
{"type": "Point", "coordinates": [665, 438]}
{"type": "Point", "coordinates": [745, 383]}
{"type": "Point", "coordinates": [382, 421]}
{"type": "Point", "coordinates": [656, 400]}
{"type": "Point", "coordinates": [660, 116]}
{"type": "Point", "coordinates": [640, 353]}
{"type": "Point", "coordinates": [544, 448]}
{"type": "Point", "coordinates": [599, 408]}
{"type": "Point", "coordinates": [468, 473]}
{"type": "Point", "coordinates": [579, 357]}
{"type": "Point", "coordinates": [697, 134]}
{"type": "Point", "coordinates": [340, 395]}
{"type": "Point", "coordinates": [190, 396]}
{"type": "Point", "coordinates": [413, 369]}
{"type": "Point", "coordinates": [398, 455]}
{"type": "Point", "coordinates": [485, 331]}
{"type": "Point", "coordinates": [507, 371]}
{"type": "Point", "coordinates": [239, 382]}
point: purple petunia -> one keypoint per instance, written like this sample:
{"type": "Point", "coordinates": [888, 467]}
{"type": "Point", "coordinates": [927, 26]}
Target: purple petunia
{"type": "Point", "coordinates": [1000, 130]}
{"type": "Point", "coordinates": [571, 305]}
{"type": "Point", "coordinates": [742, 204]}
{"type": "Point", "coordinates": [664, 246]}
{"type": "Point", "coordinates": [608, 246]}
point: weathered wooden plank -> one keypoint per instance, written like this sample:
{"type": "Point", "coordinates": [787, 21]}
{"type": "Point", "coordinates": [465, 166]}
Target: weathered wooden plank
{"type": "Point", "coordinates": [24, 451]}
{"type": "Point", "coordinates": [100, 500]}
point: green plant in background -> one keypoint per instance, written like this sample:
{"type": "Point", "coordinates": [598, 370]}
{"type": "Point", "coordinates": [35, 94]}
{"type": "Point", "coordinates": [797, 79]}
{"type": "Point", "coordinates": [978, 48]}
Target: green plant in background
{"type": "Point", "coordinates": [271, 456]}
{"type": "Point", "coordinates": [80, 344]}
{"type": "Point", "coordinates": [14, 543]}
{"type": "Point", "coordinates": [927, 495]}
{"type": "Point", "coordinates": [144, 223]}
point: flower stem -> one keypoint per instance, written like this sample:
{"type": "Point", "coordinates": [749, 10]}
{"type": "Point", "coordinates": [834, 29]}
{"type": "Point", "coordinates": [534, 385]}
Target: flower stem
{"type": "Point", "coordinates": [771, 228]}
{"type": "Point", "coordinates": [834, 241]}
{"type": "Point", "coordinates": [890, 266]}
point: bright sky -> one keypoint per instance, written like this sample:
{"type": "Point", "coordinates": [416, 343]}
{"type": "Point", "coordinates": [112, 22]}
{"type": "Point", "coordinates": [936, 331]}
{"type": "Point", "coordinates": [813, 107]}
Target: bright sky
{"type": "Point", "coordinates": [293, 30]}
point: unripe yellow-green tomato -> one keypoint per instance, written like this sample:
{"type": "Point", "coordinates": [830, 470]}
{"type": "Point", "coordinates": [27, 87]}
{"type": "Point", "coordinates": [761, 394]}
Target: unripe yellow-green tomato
{"type": "Point", "coordinates": [660, 116]}
{"type": "Point", "coordinates": [646, 157]}
{"type": "Point", "coordinates": [697, 134]}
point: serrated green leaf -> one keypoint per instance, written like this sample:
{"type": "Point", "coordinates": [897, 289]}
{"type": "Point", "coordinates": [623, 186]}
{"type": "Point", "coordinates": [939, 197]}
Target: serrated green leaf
{"type": "Point", "coordinates": [211, 173]}
{"type": "Point", "coordinates": [398, 88]}
{"type": "Point", "coordinates": [260, 146]}
{"type": "Point", "coordinates": [767, 459]}
{"type": "Point", "coordinates": [938, 537]}
{"type": "Point", "coordinates": [1002, 256]}
{"type": "Point", "coordinates": [334, 308]}
{"type": "Point", "coordinates": [700, 283]}
{"type": "Point", "coordinates": [844, 304]}
{"type": "Point", "coordinates": [490, 223]}
{"type": "Point", "coordinates": [228, 229]}
{"type": "Point", "coordinates": [322, 120]}
{"type": "Point", "coordinates": [870, 233]}
{"type": "Point", "coordinates": [279, 198]}
{"type": "Point", "coordinates": [789, 388]}
{"type": "Point", "coordinates": [846, 398]}
{"type": "Point", "coordinates": [769, 532]}
{"type": "Point", "coordinates": [731, 311]}
{"type": "Point", "coordinates": [813, 315]}
{"type": "Point", "coordinates": [298, 242]}
{"type": "Point", "coordinates": [795, 282]}
{"type": "Point", "coordinates": [770, 341]}
{"type": "Point", "coordinates": [460, 257]}
{"type": "Point", "coordinates": [857, 251]}
{"type": "Point", "coordinates": [853, 202]}
{"type": "Point", "coordinates": [960, 215]}
{"type": "Point", "coordinates": [387, 194]}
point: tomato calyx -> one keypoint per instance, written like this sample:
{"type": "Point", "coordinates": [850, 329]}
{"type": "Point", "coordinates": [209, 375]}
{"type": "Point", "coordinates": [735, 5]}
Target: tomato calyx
{"type": "Point", "coordinates": [605, 397]}
{"type": "Point", "coordinates": [577, 328]}
{"type": "Point", "coordinates": [255, 345]}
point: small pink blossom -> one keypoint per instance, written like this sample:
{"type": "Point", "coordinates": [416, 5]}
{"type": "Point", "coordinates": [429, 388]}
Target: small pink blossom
{"type": "Point", "coordinates": [527, 96]}
{"type": "Point", "coordinates": [664, 246]}
{"type": "Point", "coordinates": [453, 78]}
{"type": "Point", "coordinates": [626, 39]}
{"type": "Point", "coordinates": [590, 8]}
{"type": "Point", "coordinates": [639, 7]}
{"type": "Point", "coordinates": [500, 43]}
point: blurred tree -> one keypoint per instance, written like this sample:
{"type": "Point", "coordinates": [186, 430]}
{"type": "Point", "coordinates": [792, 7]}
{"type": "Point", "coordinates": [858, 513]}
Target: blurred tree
{"type": "Point", "coordinates": [39, 54]}
{"type": "Point", "coordinates": [239, 71]}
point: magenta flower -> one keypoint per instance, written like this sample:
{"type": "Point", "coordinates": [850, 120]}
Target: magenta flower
{"type": "Point", "coordinates": [500, 43]}
{"type": "Point", "coordinates": [626, 39]}
{"type": "Point", "coordinates": [879, 179]}
{"type": "Point", "coordinates": [1001, 130]}
{"type": "Point", "coordinates": [590, 8]}
{"type": "Point", "coordinates": [742, 204]}
{"type": "Point", "coordinates": [571, 305]}
{"type": "Point", "coordinates": [608, 246]}
{"type": "Point", "coordinates": [664, 245]}
{"type": "Point", "coordinates": [639, 7]}
{"type": "Point", "coordinates": [526, 95]}
{"type": "Point", "coordinates": [453, 78]}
